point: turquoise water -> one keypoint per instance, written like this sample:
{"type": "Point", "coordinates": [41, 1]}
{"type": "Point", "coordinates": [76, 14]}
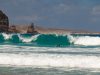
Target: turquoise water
{"type": "Point", "coordinates": [36, 40]}
{"type": "Point", "coordinates": [49, 54]}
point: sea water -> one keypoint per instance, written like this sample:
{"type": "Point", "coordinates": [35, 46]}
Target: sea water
{"type": "Point", "coordinates": [49, 54]}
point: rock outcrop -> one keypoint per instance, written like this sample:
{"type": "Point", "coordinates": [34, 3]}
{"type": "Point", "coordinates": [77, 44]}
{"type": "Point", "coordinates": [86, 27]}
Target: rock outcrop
{"type": "Point", "coordinates": [4, 22]}
{"type": "Point", "coordinates": [31, 29]}
{"type": "Point", "coordinates": [4, 26]}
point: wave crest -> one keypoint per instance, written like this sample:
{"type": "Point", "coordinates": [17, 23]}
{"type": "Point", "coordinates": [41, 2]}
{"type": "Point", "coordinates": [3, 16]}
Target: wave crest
{"type": "Point", "coordinates": [51, 39]}
{"type": "Point", "coordinates": [85, 40]}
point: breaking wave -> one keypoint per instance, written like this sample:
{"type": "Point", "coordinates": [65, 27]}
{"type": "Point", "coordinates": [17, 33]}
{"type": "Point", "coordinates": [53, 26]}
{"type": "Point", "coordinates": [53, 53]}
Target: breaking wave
{"type": "Point", "coordinates": [45, 60]}
{"type": "Point", "coordinates": [85, 40]}
{"type": "Point", "coordinates": [50, 39]}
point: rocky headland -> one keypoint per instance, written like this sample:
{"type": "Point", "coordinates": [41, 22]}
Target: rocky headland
{"type": "Point", "coordinates": [6, 28]}
{"type": "Point", "coordinates": [33, 29]}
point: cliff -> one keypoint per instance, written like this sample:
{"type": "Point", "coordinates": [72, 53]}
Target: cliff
{"type": "Point", "coordinates": [32, 29]}
{"type": "Point", "coordinates": [4, 22]}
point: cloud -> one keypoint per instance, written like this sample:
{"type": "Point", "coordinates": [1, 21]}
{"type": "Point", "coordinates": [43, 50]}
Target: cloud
{"type": "Point", "coordinates": [53, 12]}
{"type": "Point", "coordinates": [95, 14]}
{"type": "Point", "coordinates": [61, 8]}
{"type": "Point", "coordinates": [96, 10]}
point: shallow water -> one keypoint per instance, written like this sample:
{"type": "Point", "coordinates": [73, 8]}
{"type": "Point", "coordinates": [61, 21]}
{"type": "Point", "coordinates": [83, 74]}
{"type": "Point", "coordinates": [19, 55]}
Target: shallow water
{"type": "Point", "coordinates": [79, 57]}
{"type": "Point", "coordinates": [28, 60]}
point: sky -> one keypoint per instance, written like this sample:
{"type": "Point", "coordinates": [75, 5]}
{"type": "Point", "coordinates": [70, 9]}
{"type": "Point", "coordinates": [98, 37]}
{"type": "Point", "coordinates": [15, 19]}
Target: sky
{"type": "Point", "coordinates": [64, 14]}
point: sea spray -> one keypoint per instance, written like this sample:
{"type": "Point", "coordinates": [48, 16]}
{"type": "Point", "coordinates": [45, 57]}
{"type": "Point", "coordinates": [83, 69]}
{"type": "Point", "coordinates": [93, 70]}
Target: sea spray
{"type": "Point", "coordinates": [7, 36]}
{"type": "Point", "coordinates": [49, 40]}
{"type": "Point", "coordinates": [50, 60]}
{"type": "Point", "coordinates": [85, 40]}
{"type": "Point", "coordinates": [26, 58]}
{"type": "Point", "coordinates": [28, 39]}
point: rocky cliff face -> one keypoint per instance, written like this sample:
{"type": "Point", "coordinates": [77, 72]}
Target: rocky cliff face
{"type": "Point", "coordinates": [4, 26]}
{"type": "Point", "coordinates": [4, 22]}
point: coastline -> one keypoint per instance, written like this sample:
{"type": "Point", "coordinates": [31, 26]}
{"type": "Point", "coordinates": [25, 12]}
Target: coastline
{"type": "Point", "coordinates": [5, 27]}
{"type": "Point", "coordinates": [23, 29]}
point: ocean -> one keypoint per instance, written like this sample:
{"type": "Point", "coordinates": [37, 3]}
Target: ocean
{"type": "Point", "coordinates": [49, 54]}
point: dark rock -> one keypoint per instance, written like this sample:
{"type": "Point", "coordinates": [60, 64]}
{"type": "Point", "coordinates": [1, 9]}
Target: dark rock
{"type": "Point", "coordinates": [4, 22]}
{"type": "Point", "coordinates": [31, 29]}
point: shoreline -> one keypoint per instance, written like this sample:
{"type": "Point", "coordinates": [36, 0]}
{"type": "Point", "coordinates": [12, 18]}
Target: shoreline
{"type": "Point", "coordinates": [41, 30]}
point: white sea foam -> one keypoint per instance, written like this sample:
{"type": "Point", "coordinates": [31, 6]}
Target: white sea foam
{"type": "Point", "coordinates": [28, 39]}
{"type": "Point", "coordinates": [7, 36]}
{"type": "Point", "coordinates": [44, 60]}
{"type": "Point", "coordinates": [84, 40]}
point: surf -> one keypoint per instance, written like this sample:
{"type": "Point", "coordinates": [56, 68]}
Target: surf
{"type": "Point", "coordinates": [53, 40]}
{"type": "Point", "coordinates": [49, 60]}
{"type": "Point", "coordinates": [85, 40]}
